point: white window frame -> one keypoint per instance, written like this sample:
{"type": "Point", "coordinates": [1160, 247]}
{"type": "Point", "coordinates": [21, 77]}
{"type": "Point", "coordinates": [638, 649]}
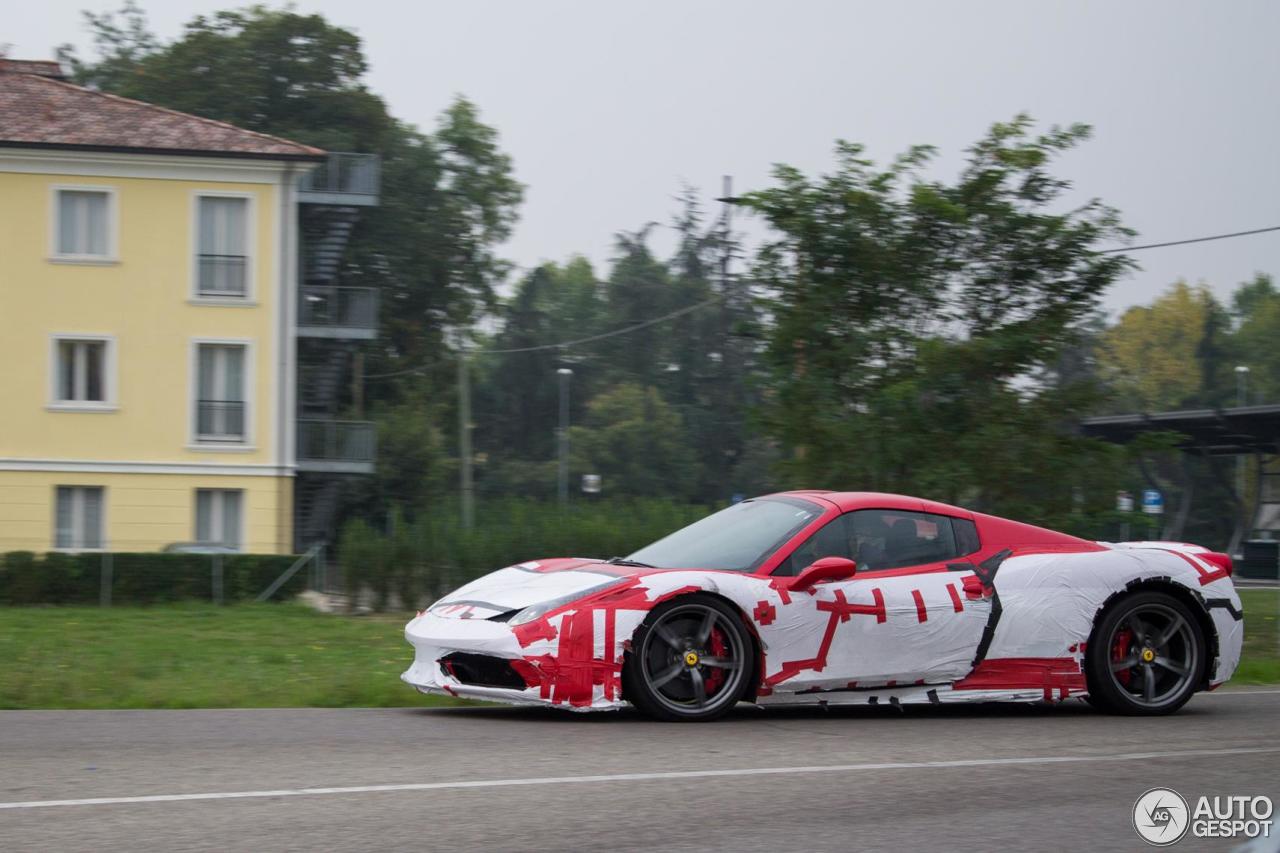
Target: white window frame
{"type": "Point", "coordinates": [246, 443]}
{"type": "Point", "coordinates": [103, 527]}
{"type": "Point", "coordinates": [109, 361]}
{"type": "Point", "coordinates": [250, 297]}
{"type": "Point", "coordinates": [217, 519]}
{"type": "Point", "coordinates": [113, 225]}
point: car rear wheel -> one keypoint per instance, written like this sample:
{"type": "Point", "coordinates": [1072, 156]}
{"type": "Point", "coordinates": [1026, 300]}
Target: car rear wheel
{"type": "Point", "coordinates": [689, 660]}
{"type": "Point", "coordinates": [1146, 656]}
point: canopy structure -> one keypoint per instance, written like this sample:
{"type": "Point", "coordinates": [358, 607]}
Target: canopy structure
{"type": "Point", "coordinates": [1211, 432]}
{"type": "Point", "coordinates": [1252, 431]}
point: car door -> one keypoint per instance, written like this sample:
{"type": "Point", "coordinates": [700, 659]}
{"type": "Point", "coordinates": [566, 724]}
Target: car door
{"type": "Point", "coordinates": [907, 616]}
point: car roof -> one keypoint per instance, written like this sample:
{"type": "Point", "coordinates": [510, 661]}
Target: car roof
{"type": "Point", "coordinates": [847, 501]}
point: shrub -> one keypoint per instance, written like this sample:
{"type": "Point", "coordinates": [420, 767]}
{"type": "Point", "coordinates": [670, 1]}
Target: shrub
{"type": "Point", "coordinates": [57, 578]}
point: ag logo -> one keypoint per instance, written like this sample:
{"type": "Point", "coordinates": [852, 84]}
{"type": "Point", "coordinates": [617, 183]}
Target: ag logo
{"type": "Point", "coordinates": [1161, 816]}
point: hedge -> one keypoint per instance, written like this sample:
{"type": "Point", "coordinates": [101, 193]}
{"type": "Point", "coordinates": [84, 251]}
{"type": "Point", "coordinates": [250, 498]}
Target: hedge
{"type": "Point", "coordinates": [54, 578]}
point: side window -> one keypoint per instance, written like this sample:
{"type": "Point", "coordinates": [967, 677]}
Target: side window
{"type": "Point", "coordinates": [894, 539]}
{"type": "Point", "coordinates": [967, 541]}
{"type": "Point", "coordinates": [833, 540]}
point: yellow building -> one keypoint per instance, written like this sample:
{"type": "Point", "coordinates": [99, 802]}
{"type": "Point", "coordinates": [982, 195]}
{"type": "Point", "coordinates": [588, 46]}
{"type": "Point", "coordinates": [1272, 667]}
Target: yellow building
{"type": "Point", "coordinates": [149, 311]}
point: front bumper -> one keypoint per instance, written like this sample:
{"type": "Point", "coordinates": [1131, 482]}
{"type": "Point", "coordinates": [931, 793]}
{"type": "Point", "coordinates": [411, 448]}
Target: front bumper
{"type": "Point", "coordinates": [434, 637]}
{"type": "Point", "coordinates": [585, 679]}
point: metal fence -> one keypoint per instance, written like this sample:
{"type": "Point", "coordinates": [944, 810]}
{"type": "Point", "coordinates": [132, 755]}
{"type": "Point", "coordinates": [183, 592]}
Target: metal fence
{"type": "Point", "coordinates": [349, 307]}
{"type": "Point", "coordinates": [220, 419]}
{"type": "Point", "coordinates": [222, 275]}
{"type": "Point", "coordinates": [357, 174]}
{"type": "Point", "coordinates": [336, 441]}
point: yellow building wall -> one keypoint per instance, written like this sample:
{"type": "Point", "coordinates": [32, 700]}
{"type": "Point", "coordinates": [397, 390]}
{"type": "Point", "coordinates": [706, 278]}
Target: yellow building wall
{"type": "Point", "coordinates": [143, 300]}
{"type": "Point", "coordinates": [144, 512]}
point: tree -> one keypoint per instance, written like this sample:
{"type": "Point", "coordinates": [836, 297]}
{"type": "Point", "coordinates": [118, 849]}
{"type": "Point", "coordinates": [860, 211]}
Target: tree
{"type": "Point", "coordinates": [636, 442]}
{"type": "Point", "coordinates": [273, 71]}
{"type": "Point", "coordinates": [1163, 356]}
{"type": "Point", "coordinates": [517, 393]}
{"type": "Point", "coordinates": [915, 321]}
{"type": "Point", "coordinates": [122, 40]}
{"type": "Point", "coordinates": [1253, 344]}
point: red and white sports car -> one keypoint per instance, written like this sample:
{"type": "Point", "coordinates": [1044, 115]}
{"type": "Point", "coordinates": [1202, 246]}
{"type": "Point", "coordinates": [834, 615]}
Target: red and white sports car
{"type": "Point", "coordinates": [841, 597]}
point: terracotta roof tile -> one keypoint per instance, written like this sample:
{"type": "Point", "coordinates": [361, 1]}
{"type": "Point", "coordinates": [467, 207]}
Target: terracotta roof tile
{"type": "Point", "coordinates": [38, 110]}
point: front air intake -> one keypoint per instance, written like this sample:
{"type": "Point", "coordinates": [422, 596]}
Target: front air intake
{"type": "Point", "coordinates": [481, 671]}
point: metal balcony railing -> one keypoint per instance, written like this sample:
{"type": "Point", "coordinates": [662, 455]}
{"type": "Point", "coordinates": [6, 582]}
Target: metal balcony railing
{"type": "Point", "coordinates": [344, 178]}
{"type": "Point", "coordinates": [325, 445]}
{"type": "Point", "coordinates": [337, 312]}
{"type": "Point", "coordinates": [222, 275]}
{"type": "Point", "coordinates": [220, 420]}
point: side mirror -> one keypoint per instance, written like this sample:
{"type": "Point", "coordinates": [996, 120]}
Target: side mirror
{"type": "Point", "coordinates": [825, 569]}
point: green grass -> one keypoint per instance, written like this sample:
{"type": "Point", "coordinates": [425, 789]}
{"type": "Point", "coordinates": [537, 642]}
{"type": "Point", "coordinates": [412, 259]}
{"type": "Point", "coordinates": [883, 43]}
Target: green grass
{"type": "Point", "coordinates": [256, 656]}
{"type": "Point", "coordinates": [201, 656]}
{"type": "Point", "coordinates": [1260, 662]}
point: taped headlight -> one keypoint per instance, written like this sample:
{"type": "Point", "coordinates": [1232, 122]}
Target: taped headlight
{"type": "Point", "coordinates": [537, 611]}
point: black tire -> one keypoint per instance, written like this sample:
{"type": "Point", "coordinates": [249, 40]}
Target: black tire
{"type": "Point", "coordinates": [1146, 657]}
{"type": "Point", "coordinates": [691, 660]}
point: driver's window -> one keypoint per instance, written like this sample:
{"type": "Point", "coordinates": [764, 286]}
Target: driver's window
{"type": "Point", "coordinates": [832, 540]}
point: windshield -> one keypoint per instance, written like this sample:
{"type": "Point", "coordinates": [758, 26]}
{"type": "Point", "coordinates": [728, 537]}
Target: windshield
{"type": "Point", "coordinates": [738, 539]}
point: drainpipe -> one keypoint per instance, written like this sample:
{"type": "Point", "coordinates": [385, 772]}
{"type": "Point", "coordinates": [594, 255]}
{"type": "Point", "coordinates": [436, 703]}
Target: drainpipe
{"type": "Point", "coordinates": [285, 369]}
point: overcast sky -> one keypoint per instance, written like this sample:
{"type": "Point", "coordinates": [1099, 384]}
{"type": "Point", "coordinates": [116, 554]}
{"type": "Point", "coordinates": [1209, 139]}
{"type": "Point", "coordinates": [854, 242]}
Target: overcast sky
{"type": "Point", "coordinates": [609, 108]}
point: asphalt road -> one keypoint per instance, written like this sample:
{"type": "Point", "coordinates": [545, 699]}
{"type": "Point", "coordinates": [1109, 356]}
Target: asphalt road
{"type": "Point", "coordinates": [1011, 777]}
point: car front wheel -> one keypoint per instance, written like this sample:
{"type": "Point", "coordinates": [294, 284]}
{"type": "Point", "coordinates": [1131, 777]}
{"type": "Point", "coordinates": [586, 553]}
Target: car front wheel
{"type": "Point", "coordinates": [689, 661]}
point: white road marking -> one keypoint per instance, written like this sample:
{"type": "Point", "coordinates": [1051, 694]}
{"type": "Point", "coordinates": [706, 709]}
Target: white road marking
{"type": "Point", "coordinates": [1221, 693]}
{"type": "Point", "coordinates": [639, 777]}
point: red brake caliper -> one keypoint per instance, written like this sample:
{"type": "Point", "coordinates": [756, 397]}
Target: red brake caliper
{"type": "Point", "coordinates": [715, 678]}
{"type": "Point", "coordinates": [1120, 651]}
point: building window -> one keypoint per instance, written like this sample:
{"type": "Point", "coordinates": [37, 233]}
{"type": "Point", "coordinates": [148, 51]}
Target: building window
{"type": "Point", "coordinates": [78, 522]}
{"type": "Point", "coordinates": [218, 516]}
{"type": "Point", "coordinates": [222, 260]}
{"type": "Point", "coordinates": [83, 226]}
{"type": "Point", "coordinates": [220, 392]}
{"type": "Point", "coordinates": [83, 373]}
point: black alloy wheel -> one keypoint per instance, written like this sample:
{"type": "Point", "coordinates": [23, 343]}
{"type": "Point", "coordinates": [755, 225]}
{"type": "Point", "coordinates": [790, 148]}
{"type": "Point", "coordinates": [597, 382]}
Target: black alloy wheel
{"type": "Point", "coordinates": [690, 660]}
{"type": "Point", "coordinates": [1146, 656]}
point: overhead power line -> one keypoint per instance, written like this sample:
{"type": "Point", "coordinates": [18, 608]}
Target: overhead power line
{"type": "Point", "coordinates": [1192, 240]}
{"type": "Point", "coordinates": [688, 309]}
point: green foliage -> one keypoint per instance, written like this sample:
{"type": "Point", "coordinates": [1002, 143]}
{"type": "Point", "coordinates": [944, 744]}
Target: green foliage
{"type": "Point", "coordinates": [269, 70]}
{"type": "Point", "coordinates": [636, 442]}
{"type": "Point", "coordinates": [147, 578]}
{"type": "Point", "coordinates": [700, 364]}
{"type": "Point", "coordinates": [1165, 355]}
{"type": "Point", "coordinates": [1257, 315]}
{"type": "Point", "coordinates": [517, 394]}
{"type": "Point", "coordinates": [918, 325]}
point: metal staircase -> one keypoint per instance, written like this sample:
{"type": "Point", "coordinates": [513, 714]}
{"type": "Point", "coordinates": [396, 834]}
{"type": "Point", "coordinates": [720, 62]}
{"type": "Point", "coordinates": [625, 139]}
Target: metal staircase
{"type": "Point", "coordinates": [333, 320]}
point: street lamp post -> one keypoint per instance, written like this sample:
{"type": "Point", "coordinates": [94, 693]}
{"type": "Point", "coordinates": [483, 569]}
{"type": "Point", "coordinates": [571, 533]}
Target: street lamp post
{"type": "Point", "coordinates": [1242, 397]}
{"type": "Point", "coordinates": [563, 474]}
